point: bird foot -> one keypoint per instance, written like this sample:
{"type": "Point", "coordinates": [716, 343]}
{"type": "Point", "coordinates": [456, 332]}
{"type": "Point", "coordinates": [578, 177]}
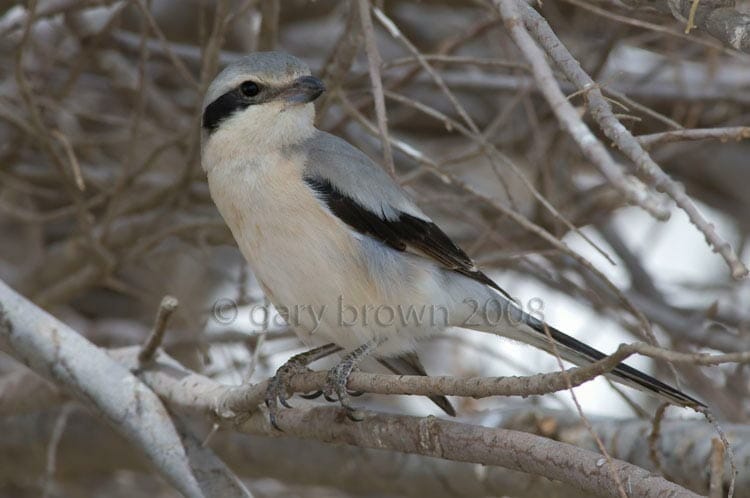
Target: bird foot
{"type": "Point", "coordinates": [277, 391]}
{"type": "Point", "coordinates": [336, 390]}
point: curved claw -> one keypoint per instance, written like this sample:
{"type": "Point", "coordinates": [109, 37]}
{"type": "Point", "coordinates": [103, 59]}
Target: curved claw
{"type": "Point", "coordinates": [336, 382]}
{"type": "Point", "coordinates": [338, 376]}
{"type": "Point", "coordinates": [271, 403]}
{"type": "Point", "coordinates": [312, 395]}
{"type": "Point", "coordinates": [355, 394]}
{"type": "Point", "coordinates": [281, 390]}
{"type": "Point", "coordinates": [274, 424]}
{"type": "Point", "coordinates": [276, 393]}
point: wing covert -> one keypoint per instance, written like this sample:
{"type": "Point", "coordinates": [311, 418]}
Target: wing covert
{"type": "Point", "coordinates": [399, 230]}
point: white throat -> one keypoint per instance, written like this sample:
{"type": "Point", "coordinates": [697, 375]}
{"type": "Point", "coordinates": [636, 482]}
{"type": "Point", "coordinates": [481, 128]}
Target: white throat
{"type": "Point", "coordinates": [256, 131]}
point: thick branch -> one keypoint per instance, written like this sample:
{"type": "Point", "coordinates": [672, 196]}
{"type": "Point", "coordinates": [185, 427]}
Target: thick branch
{"type": "Point", "coordinates": [466, 443]}
{"type": "Point", "coordinates": [61, 355]}
{"type": "Point", "coordinates": [424, 436]}
{"type": "Point", "coordinates": [88, 448]}
{"type": "Point", "coordinates": [186, 390]}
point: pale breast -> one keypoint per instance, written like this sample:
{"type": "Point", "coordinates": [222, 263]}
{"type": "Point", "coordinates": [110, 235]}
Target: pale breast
{"type": "Point", "coordinates": [300, 252]}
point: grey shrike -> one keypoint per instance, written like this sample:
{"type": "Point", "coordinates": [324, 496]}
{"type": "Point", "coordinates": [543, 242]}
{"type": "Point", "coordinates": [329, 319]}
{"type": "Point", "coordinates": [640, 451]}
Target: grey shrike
{"type": "Point", "coordinates": [324, 228]}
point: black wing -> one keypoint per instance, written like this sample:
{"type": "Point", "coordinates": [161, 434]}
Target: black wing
{"type": "Point", "coordinates": [403, 233]}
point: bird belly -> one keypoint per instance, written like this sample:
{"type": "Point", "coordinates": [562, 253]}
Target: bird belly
{"type": "Point", "coordinates": [330, 284]}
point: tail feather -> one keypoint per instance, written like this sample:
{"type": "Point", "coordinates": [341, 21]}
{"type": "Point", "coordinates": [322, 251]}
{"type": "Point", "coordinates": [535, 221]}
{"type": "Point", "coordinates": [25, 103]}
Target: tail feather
{"type": "Point", "coordinates": [409, 364]}
{"type": "Point", "coordinates": [581, 354]}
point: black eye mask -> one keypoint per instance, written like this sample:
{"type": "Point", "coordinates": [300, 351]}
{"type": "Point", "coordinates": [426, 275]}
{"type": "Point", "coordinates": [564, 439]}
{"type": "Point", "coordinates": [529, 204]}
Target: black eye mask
{"type": "Point", "coordinates": [303, 90]}
{"type": "Point", "coordinates": [235, 101]}
{"type": "Point", "coordinates": [224, 107]}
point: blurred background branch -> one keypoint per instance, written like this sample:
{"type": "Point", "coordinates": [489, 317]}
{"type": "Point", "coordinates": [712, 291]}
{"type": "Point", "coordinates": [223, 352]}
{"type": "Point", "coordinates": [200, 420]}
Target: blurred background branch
{"type": "Point", "coordinates": [555, 162]}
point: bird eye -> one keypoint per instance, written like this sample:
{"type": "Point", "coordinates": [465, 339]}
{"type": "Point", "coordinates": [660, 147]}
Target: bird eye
{"type": "Point", "coordinates": [249, 88]}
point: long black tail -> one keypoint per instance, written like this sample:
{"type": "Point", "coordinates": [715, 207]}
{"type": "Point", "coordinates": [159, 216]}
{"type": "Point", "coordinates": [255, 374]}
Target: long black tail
{"type": "Point", "coordinates": [580, 354]}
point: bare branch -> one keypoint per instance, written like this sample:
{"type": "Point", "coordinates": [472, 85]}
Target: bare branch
{"type": "Point", "coordinates": [592, 148]}
{"type": "Point", "coordinates": [424, 436]}
{"type": "Point", "coordinates": [720, 19]}
{"type": "Point", "coordinates": [454, 441]}
{"type": "Point", "coordinates": [601, 110]}
{"type": "Point", "coordinates": [723, 134]}
{"type": "Point", "coordinates": [375, 63]}
{"type": "Point", "coordinates": [58, 353]}
{"type": "Point", "coordinates": [99, 95]}
{"type": "Point", "coordinates": [716, 486]}
{"type": "Point", "coordinates": [167, 306]}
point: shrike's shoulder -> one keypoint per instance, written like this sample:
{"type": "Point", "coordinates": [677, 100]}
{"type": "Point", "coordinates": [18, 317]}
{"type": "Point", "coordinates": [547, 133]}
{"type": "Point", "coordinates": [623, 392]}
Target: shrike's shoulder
{"type": "Point", "coordinates": [369, 201]}
{"type": "Point", "coordinates": [352, 172]}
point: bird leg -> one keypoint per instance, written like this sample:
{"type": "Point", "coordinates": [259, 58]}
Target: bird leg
{"type": "Point", "coordinates": [278, 385]}
{"type": "Point", "coordinates": [338, 376]}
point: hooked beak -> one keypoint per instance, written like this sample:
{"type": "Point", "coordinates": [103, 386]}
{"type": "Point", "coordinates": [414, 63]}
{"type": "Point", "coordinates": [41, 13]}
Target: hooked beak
{"type": "Point", "coordinates": [304, 90]}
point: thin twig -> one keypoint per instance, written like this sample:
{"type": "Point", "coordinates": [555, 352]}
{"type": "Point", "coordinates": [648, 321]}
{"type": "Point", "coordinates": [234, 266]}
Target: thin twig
{"type": "Point", "coordinates": [458, 59]}
{"type": "Point", "coordinates": [176, 61]}
{"type": "Point", "coordinates": [690, 25]}
{"type": "Point", "coordinates": [374, 64]}
{"type": "Point", "coordinates": [473, 130]}
{"type": "Point", "coordinates": [246, 398]}
{"type": "Point", "coordinates": [653, 438]}
{"type": "Point", "coordinates": [642, 108]}
{"type": "Point", "coordinates": [611, 126]}
{"type": "Point", "coordinates": [630, 20]}
{"type": "Point", "coordinates": [723, 134]}
{"type": "Point", "coordinates": [571, 121]}
{"type": "Point", "coordinates": [447, 177]}
{"type": "Point", "coordinates": [74, 165]}
{"type": "Point", "coordinates": [54, 443]}
{"type": "Point", "coordinates": [584, 418]}
{"type": "Point", "coordinates": [716, 483]}
{"type": "Point", "coordinates": [167, 306]}
{"type": "Point", "coordinates": [493, 154]}
{"type": "Point", "coordinates": [727, 451]}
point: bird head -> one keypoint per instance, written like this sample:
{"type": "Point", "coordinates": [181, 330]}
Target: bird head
{"type": "Point", "coordinates": [265, 97]}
